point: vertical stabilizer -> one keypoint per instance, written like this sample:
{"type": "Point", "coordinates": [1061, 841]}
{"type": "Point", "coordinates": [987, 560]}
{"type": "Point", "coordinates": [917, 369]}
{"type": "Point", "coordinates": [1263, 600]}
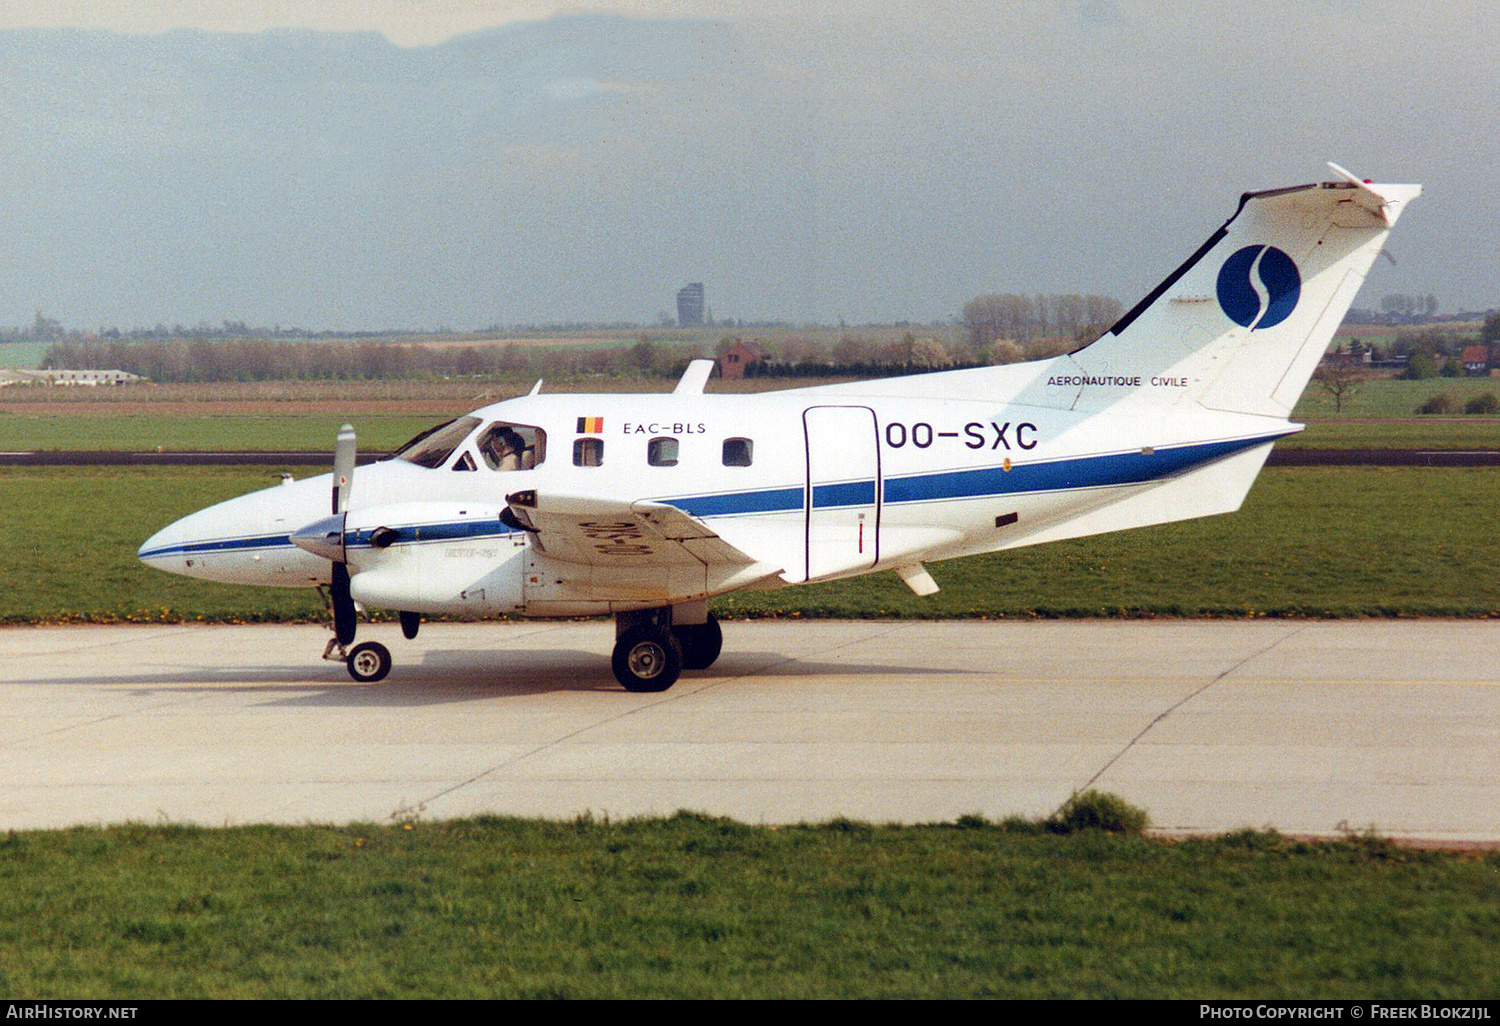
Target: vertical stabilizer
{"type": "Point", "coordinates": [1242, 324]}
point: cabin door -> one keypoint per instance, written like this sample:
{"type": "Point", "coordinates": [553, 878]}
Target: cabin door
{"type": "Point", "coordinates": [842, 501]}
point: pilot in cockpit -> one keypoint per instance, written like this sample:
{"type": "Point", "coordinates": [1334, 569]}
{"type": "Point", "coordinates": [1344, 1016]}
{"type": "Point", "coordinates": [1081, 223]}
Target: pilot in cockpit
{"type": "Point", "coordinates": [501, 448]}
{"type": "Point", "coordinates": [511, 448]}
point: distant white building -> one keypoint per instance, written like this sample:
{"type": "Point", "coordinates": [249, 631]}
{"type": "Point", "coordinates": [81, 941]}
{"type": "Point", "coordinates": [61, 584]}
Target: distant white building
{"type": "Point", "coordinates": [67, 377]}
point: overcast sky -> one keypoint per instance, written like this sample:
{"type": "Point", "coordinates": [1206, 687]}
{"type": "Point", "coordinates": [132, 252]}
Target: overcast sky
{"type": "Point", "coordinates": [350, 164]}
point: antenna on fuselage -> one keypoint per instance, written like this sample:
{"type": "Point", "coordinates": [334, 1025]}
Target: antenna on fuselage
{"type": "Point", "coordinates": [694, 378]}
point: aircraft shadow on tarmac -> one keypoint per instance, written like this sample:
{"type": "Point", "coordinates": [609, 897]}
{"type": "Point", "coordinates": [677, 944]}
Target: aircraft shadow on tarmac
{"type": "Point", "coordinates": [462, 675]}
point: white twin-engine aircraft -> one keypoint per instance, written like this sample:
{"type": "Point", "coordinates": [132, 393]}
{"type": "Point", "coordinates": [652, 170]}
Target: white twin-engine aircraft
{"type": "Point", "coordinates": [647, 506]}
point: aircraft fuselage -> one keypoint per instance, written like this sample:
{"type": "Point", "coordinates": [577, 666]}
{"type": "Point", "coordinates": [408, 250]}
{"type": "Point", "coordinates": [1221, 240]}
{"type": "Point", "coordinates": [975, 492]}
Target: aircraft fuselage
{"type": "Point", "coordinates": [825, 482]}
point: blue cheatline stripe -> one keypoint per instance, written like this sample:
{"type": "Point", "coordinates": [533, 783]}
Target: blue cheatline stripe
{"type": "Point", "coordinates": [432, 532]}
{"type": "Point", "coordinates": [771, 500]}
{"type": "Point", "coordinates": [426, 532]}
{"type": "Point", "coordinates": [272, 541]}
{"type": "Point", "coordinates": [1076, 472]}
{"type": "Point", "coordinates": [1086, 472]}
{"type": "Point", "coordinates": [852, 493]}
{"type": "Point", "coordinates": [1057, 475]}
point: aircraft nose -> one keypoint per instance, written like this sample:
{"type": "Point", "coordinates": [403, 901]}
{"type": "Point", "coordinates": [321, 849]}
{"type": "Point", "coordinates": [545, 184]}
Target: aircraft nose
{"type": "Point", "coordinates": [167, 541]}
{"type": "Point", "coordinates": [208, 543]}
{"type": "Point", "coordinates": [244, 540]}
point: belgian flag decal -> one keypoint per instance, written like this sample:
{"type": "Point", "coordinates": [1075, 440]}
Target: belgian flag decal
{"type": "Point", "coordinates": [590, 425]}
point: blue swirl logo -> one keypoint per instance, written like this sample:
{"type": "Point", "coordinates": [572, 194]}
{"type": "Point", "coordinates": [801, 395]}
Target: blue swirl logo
{"type": "Point", "coordinates": [1279, 287]}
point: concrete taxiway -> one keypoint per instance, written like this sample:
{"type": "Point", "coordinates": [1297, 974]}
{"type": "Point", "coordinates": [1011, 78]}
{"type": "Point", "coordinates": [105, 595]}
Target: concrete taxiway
{"type": "Point", "coordinates": [1210, 725]}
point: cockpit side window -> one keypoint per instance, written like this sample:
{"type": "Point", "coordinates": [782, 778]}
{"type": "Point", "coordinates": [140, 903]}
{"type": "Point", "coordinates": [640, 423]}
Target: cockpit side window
{"type": "Point", "coordinates": [505, 446]}
{"type": "Point", "coordinates": [432, 447]}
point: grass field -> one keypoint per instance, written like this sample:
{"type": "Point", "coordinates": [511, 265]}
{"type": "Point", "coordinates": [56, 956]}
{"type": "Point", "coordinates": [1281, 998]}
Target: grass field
{"type": "Point", "coordinates": [1408, 433]}
{"type": "Point", "coordinates": [23, 355]}
{"type": "Point", "coordinates": [697, 907]}
{"type": "Point", "coordinates": [1344, 541]}
{"type": "Point", "coordinates": [1392, 397]}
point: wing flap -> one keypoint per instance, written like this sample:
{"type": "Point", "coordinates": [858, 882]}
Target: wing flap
{"type": "Point", "coordinates": [603, 531]}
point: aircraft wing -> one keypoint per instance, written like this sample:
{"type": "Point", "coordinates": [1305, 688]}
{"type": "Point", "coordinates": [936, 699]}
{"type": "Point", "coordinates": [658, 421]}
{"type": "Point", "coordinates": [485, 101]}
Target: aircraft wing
{"type": "Point", "coordinates": [609, 532]}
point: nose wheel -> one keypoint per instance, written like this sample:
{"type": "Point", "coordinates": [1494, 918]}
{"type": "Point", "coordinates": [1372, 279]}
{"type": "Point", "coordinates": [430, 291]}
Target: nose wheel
{"type": "Point", "coordinates": [369, 662]}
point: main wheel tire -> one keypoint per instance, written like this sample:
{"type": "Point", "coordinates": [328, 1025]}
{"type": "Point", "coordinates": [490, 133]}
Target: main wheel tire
{"type": "Point", "coordinates": [410, 622]}
{"type": "Point", "coordinates": [700, 643]}
{"type": "Point", "coordinates": [647, 658]}
{"type": "Point", "coordinates": [369, 662]}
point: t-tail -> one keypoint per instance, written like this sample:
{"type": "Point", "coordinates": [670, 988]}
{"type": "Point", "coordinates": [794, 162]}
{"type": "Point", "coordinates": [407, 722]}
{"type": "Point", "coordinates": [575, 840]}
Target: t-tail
{"type": "Point", "coordinates": [1241, 325]}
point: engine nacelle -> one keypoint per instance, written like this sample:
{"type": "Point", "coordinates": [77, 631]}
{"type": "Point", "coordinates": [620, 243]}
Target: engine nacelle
{"type": "Point", "coordinates": [435, 557]}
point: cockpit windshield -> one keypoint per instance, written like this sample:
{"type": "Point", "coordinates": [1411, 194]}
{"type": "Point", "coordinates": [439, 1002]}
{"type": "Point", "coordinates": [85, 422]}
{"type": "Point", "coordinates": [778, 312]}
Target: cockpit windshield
{"type": "Point", "coordinates": [433, 447]}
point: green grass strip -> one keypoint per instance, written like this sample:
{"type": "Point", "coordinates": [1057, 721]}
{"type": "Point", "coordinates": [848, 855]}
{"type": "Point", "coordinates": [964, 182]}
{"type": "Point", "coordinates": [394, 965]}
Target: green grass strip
{"type": "Point", "coordinates": [698, 907]}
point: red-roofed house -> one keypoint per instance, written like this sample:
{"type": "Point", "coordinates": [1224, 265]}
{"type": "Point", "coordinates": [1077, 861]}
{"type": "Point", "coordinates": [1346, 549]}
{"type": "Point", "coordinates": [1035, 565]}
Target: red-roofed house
{"type": "Point", "coordinates": [1476, 360]}
{"type": "Point", "coordinates": [739, 356]}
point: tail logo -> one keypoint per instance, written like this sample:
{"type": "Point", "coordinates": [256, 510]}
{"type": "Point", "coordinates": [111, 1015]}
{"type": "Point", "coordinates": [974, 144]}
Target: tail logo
{"type": "Point", "coordinates": [1259, 287]}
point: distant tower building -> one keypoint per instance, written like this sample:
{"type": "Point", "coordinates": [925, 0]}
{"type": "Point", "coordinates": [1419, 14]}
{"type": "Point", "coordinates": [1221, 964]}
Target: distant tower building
{"type": "Point", "coordinates": [690, 305]}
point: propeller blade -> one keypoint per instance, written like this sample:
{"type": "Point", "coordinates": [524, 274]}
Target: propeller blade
{"type": "Point", "coordinates": [343, 605]}
{"type": "Point", "coordinates": [343, 468]}
{"type": "Point", "coordinates": [344, 623]}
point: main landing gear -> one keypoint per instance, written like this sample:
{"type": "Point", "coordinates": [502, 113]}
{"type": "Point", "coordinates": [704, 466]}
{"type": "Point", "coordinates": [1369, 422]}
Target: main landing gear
{"type": "Point", "coordinates": [651, 651]}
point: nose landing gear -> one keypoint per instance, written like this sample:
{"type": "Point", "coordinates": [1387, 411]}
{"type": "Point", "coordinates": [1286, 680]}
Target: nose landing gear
{"type": "Point", "coordinates": [369, 662]}
{"type": "Point", "coordinates": [366, 662]}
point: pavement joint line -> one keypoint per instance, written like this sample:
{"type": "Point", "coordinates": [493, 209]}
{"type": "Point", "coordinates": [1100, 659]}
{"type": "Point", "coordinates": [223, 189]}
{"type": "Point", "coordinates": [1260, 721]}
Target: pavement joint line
{"type": "Point", "coordinates": [172, 629]}
{"type": "Point", "coordinates": [410, 810]}
{"type": "Point", "coordinates": [1177, 705]}
{"type": "Point", "coordinates": [403, 811]}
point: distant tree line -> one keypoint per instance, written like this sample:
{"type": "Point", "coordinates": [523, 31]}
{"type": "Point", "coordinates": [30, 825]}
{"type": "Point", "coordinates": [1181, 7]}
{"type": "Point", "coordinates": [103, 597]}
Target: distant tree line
{"type": "Point", "coordinates": [990, 318]}
{"type": "Point", "coordinates": [266, 360]}
{"type": "Point", "coordinates": [802, 369]}
{"type": "Point", "coordinates": [853, 355]}
{"type": "Point", "coordinates": [1399, 309]}
{"type": "Point", "coordinates": [994, 329]}
{"type": "Point", "coordinates": [1428, 352]}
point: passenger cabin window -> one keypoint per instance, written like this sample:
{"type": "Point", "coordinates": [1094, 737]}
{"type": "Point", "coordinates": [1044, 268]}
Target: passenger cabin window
{"type": "Point", "coordinates": [505, 447]}
{"type": "Point", "coordinates": [662, 452]}
{"type": "Point", "coordinates": [738, 452]}
{"type": "Point", "coordinates": [432, 447]}
{"type": "Point", "coordinates": [588, 452]}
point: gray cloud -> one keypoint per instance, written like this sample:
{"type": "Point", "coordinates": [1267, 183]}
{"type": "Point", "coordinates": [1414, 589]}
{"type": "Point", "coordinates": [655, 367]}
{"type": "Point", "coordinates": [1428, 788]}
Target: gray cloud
{"type": "Point", "coordinates": [880, 166]}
